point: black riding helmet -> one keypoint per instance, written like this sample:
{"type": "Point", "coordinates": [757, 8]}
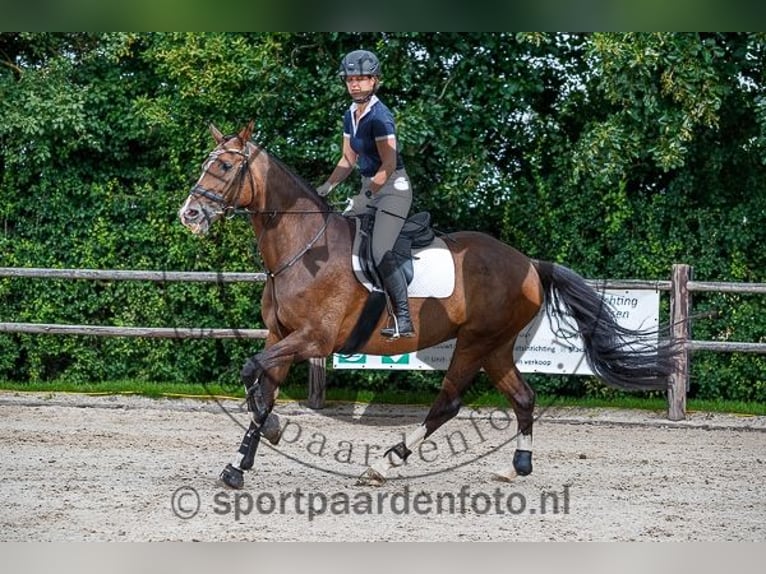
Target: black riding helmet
{"type": "Point", "coordinates": [359, 63]}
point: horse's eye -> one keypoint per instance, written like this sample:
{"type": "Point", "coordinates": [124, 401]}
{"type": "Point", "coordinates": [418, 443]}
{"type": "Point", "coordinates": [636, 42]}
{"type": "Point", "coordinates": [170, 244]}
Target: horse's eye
{"type": "Point", "coordinates": [225, 165]}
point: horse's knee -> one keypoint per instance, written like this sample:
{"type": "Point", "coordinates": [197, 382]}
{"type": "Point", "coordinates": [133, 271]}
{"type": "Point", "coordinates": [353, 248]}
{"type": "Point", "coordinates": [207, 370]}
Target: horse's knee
{"type": "Point", "coordinates": [250, 372]}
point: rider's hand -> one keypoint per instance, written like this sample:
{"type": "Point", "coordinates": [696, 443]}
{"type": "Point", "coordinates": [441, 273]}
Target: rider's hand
{"type": "Point", "coordinates": [324, 189]}
{"type": "Point", "coordinates": [349, 210]}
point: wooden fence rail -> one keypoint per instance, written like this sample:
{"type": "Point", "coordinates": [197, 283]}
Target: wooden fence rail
{"type": "Point", "coordinates": [127, 275]}
{"type": "Point", "coordinates": [154, 332]}
{"type": "Point", "coordinates": [317, 375]}
{"type": "Point", "coordinates": [680, 287]}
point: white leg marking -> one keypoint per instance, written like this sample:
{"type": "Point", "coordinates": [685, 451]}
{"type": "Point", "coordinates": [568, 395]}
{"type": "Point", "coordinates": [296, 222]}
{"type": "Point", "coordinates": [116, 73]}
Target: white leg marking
{"type": "Point", "coordinates": [524, 442]}
{"type": "Point", "coordinates": [416, 437]}
{"type": "Point", "coordinates": [412, 441]}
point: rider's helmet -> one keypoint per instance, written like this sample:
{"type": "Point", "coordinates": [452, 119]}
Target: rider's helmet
{"type": "Point", "coordinates": [359, 63]}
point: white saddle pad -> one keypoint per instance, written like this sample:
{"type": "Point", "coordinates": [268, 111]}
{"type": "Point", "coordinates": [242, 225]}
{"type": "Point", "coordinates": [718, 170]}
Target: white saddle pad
{"type": "Point", "coordinates": [433, 270]}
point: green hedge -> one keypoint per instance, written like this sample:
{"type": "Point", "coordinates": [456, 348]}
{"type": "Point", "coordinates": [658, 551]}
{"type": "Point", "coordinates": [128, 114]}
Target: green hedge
{"type": "Point", "coordinates": [614, 154]}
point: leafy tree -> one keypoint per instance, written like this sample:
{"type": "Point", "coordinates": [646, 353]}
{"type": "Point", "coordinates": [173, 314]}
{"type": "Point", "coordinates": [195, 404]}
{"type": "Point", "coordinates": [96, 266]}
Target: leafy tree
{"type": "Point", "coordinates": [615, 154]}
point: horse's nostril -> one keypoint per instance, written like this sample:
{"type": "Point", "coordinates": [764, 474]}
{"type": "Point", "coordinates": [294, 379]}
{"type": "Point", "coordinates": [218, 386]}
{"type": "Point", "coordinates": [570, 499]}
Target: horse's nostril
{"type": "Point", "coordinates": [191, 214]}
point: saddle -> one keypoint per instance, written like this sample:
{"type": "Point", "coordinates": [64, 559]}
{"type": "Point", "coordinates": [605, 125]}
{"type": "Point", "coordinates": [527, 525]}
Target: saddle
{"type": "Point", "coordinates": [427, 263]}
{"type": "Point", "coordinates": [416, 233]}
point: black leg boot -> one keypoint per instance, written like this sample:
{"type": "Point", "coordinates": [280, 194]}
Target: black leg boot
{"type": "Point", "coordinates": [395, 285]}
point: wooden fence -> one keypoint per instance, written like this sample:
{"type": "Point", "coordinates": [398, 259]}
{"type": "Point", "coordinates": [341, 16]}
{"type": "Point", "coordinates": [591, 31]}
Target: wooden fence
{"type": "Point", "coordinates": [317, 373]}
{"type": "Point", "coordinates": [680, 288]}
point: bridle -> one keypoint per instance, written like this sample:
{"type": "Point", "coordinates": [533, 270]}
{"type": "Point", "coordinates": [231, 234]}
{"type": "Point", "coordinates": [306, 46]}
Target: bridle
{"type": "Point", "coordinates": [230, 208]}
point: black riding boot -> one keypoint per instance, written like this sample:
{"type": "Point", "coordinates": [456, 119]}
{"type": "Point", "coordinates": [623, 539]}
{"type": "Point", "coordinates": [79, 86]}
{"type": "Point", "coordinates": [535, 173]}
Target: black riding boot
{"type": "Point", "coordinates": [395, 284]}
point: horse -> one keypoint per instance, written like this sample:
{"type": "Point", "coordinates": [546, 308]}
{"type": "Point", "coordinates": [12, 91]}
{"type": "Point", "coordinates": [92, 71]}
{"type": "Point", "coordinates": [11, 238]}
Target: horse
{"type": "Point", "coordinates": [313, 305]}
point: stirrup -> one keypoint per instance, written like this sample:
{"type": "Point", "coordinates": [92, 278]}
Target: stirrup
{"type": "Point", "coordinates": [394, 332]}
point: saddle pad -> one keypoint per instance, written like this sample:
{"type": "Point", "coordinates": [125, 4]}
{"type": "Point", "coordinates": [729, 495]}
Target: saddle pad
{"type": "Point", "coordinates": [433, 270]}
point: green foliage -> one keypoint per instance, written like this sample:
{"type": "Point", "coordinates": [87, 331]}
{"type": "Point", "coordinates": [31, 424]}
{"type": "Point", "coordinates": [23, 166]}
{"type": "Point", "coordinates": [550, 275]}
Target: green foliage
{"type": "Point", "coordinates": [615, 154]}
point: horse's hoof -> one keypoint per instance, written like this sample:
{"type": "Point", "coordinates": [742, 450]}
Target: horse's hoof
{"type": "Point", "coordinates": [232, 477]}
{"type": "Point", "coordinates": [271, 429]}
{"type": "Point", "coordinates": [371, 478]}
{"type": "Point", "coordinates": [522, 462]}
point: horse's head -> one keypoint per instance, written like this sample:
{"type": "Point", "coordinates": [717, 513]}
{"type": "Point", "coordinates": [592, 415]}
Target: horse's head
{"type": "Point", "coordinates": [225, 184]}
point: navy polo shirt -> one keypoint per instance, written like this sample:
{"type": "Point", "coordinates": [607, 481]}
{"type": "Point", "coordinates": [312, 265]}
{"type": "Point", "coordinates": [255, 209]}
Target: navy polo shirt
{"type": "Point", "coordinates": [377, 123]}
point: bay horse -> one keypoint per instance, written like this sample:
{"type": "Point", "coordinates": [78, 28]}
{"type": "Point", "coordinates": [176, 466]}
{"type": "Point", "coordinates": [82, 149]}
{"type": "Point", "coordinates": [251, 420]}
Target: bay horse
{"type": "Point", "coordinates": [312, 304]}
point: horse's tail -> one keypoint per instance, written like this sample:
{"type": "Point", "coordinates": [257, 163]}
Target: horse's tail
{"type": "Point", "coordinates": [627, 359]}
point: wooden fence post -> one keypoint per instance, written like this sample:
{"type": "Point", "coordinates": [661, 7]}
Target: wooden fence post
{"type": "Point", "coordinates": [317, 378]}
{"type": "Point", "coordinates": [680, 302]}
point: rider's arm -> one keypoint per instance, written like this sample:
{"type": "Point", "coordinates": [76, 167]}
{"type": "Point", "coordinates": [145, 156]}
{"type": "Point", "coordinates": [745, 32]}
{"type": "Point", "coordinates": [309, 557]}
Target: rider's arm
{"type": "Point", "coordinates": [387, 152]}
{"type": "Point", "coordinates": [345, 165]}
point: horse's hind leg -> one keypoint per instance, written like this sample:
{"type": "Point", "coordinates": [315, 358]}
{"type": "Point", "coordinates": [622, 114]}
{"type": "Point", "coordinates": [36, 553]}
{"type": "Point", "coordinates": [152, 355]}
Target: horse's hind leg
{"type": "Point", "coordinates": [502, 371]}
{"type": "Point", "coordinates": [463, 368]}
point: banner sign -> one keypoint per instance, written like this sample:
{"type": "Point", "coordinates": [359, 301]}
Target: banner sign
{"type": "Point", "coordinates": [539, 348]}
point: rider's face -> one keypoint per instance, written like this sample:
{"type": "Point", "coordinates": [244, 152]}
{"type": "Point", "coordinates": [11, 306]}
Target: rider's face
{"type": "Point", "coordinates": [359, 85]}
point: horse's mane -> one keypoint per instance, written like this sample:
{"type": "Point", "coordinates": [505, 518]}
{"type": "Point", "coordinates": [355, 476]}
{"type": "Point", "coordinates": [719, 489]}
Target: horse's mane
{"type": "Point", "coordinates": [307, 187]}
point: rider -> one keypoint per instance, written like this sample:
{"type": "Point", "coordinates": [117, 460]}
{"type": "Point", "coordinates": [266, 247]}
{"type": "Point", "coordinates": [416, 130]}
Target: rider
{"type": "Point", "coordinates": [369, 142]}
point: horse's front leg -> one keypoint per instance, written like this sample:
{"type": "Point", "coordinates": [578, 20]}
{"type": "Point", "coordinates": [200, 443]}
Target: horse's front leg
{"type": "Point", "coordinates": [261, 387]}
{"type": "Point", "coordinates": [260, 392]}
{"type": "Point", "coordinates": [261, 376]}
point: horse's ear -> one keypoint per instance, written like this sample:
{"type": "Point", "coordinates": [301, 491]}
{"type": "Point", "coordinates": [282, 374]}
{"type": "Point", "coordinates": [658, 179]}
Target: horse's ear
{"type": "Point", "coordinates": [217, 135]}
{"type": "Point", "coordinates": [246, 132]}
